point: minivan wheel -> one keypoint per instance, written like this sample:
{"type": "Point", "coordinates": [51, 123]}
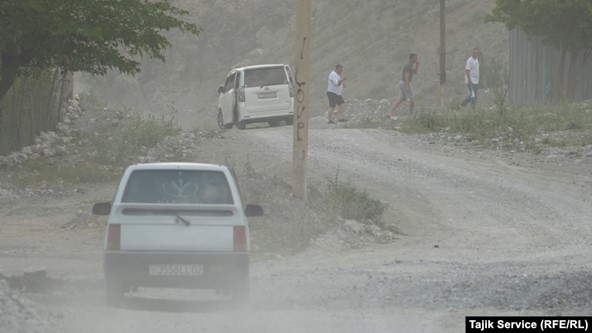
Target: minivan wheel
{"type": "Point", "coordinates": [114, 293]}
{"type": "Point", "coordinates": [240, 125]}
{"type": "Point", "coordinates": [220, 119]}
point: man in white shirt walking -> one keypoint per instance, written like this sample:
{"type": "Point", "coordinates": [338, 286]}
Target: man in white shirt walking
{"type": "Point", "coordinates": [334, 91]}
{"type": "Point", "coordinates": [472, 77]}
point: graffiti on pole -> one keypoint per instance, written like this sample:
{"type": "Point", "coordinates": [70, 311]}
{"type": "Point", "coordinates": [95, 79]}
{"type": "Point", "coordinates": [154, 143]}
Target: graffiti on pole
{"type": "Point", "coordinates": [300, 98]}
{"type": "Point", "coordinates": [300, 130]}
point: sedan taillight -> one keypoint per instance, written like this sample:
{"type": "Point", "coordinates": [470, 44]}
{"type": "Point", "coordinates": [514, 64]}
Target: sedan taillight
{"type": "Point", "coordinates": [113, 237]}
{"type": "Point", "coordinates": [240, 239]}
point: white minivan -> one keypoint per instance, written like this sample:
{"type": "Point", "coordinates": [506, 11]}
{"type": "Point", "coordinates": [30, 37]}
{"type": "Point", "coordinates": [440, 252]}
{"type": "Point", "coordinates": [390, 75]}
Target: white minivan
{"type": "Point", "coordinates": [255, 94]}
{"type": "Point", "coordinates": [177, 225]}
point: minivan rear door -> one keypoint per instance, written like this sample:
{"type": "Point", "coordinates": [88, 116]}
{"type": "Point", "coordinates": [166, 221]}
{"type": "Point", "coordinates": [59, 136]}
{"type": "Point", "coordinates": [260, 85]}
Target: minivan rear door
{"type": "Point", "coordinates": [229, 98]}
{"type": "Point", "coordinates": [267, 89]}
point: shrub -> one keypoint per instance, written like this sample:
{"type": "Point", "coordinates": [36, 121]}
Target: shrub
{"type": "Point", "coordinates": [351, 203]}
{"type": "Point", "coordinates": [122, 144]}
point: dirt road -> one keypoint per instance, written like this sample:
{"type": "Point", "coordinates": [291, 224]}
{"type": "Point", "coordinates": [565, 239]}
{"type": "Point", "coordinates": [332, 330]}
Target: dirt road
{"type": "Point", "coordinates": [481, 233]}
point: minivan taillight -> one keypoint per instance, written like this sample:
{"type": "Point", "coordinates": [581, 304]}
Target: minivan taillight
{"type": "Point", "coordinates": [241, 94]}
{"type": "Point", "coordinates": [240, 239]}
{"type": "Point", "coordinates": [291, 91]}
{"type": "Point", "coordinates": [113, 237]}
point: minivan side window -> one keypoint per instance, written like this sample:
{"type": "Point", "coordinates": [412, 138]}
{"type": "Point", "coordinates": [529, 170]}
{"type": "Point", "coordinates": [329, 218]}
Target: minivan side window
{"type": "Point", "coordinates": [289, 71]}
{"type": "Point", "coordinates": [229, 82]}
{"type": "Point", "coordinates": [237, 81]}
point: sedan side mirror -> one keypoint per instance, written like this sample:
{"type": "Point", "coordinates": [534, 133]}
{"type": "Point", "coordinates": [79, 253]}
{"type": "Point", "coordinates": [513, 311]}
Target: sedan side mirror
{"type": "Point", "coordinates": [101, 208]}
{"type": "Point", "coordinates": [253, 210]}
{"type": "Point", "coordinates": [220, 89]}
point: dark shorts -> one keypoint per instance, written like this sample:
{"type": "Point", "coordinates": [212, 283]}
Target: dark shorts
{"type": "Point", "coordinates": [334, 99]}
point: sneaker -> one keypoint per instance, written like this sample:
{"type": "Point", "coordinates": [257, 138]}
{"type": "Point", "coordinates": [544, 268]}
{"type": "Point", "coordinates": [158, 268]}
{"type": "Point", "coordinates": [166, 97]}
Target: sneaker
{"type": "Point", "coordinates": [343, 120]}
{"type": "Point", "coordinates": [331, 121]}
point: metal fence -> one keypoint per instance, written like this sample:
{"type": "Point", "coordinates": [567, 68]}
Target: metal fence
{"type": "Point", "coordinates": [534, 74]}
{"type": "Point", "coordinates": [32, 105]}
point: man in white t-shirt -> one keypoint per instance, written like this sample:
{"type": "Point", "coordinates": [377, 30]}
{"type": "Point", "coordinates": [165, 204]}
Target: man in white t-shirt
{"type": "Point", "coordinates": [334, 91]}
{"type": "Point", "coordinates": [472, 77]}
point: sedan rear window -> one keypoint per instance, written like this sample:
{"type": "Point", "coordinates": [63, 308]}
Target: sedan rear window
{"type": "Point", "coordinates": [259, 77]}
{"type": "Point", "coordinates": [177, 187]}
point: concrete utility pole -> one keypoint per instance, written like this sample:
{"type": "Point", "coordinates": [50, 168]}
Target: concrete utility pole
{"type": "Point", "coordinates": [301, 85]}
{"type": "Point", "coordinates": [442, 49]}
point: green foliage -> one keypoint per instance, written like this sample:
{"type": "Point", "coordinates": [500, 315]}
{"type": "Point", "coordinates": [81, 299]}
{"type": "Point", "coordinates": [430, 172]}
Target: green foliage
{"type": "Point", "coordinates": [367, 122]}
{"type": "Point", "coordinates": [38, 172]}
{"type": "Point", "coordinates": [501, 126]}
{"type": "Point", "coordinates": [509, 128]}
{"type": "Point", "coordinates": [351, 203]}
{"type": "Point", "coordinates": [89, 100]}
{"type": "Point", "coordinates": [493, 73]}
{"type": "Point", "coordinates": [121, 145]}
{"type": "Point", "coordinates": [111, 148]}
{"type": "Point", "coordinates": [500, 100]}
{"type": "Point", "coordinates": [83, 35]}
{"type": "Point", "coordinates": [428, 120]}
{"type": "Point", "coordinates": [563, 24]}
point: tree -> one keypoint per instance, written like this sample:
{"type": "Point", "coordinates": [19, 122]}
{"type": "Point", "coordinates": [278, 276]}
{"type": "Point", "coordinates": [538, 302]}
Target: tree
{"type": "Point", "coordinates": [563, 24]}
{"type": "Point", "coordinates": [83, 35]}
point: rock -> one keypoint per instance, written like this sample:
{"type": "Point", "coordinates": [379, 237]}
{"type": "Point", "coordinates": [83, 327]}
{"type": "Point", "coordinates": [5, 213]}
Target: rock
{"type": "Point", "coordinates": [62, 127]}
{"type": "Point", "coordinates": [35, 271]}
{"type": "Point", "coordinates": [37, 148]}
{"type": "Point", "coordinates": [61, 151]}
{"type": "Point", "coordinates": [7, 194]}
{"type": "Point", "coordinates": [50, 136]}
{"type": "Point", "coordinates": [27, 150]}
{"type": "Point", "coordinates": [48, 152]}
{"type": "Point", "coordinates": [14, 159]}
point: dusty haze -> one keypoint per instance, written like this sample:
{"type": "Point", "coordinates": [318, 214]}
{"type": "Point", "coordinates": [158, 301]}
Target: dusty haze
{"type": "Point", "coordinates": [372, 40]}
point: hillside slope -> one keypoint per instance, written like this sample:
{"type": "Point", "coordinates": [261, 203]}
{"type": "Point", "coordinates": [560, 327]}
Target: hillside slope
{"type": "Point", "coordinates": [372, 40]}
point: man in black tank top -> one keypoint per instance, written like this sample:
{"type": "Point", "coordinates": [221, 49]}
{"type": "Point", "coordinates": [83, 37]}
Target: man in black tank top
{"type": "Point", "coordinates": [409, 70]}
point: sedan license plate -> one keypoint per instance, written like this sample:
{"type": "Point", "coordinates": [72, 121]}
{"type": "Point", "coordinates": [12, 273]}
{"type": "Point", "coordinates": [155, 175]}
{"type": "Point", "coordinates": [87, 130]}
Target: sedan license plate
{"type": "Point", "coordinates": [267, 94]}
{"type": "Point", "coordinates": [175, 270]}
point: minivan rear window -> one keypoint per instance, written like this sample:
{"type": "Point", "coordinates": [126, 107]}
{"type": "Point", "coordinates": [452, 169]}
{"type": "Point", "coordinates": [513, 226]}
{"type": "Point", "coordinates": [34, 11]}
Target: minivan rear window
{"type": "Point", "coordinates": [259, 77]}
{"type": "Point", "coordinates": [177, 187]}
